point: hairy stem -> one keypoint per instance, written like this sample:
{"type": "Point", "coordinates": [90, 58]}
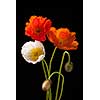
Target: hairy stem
{"type": "Point", "coordinates": [52, 59]}
{"type": "Point", "coordinates": [45, 70]}
{"type": "Point", "coordinates": [62, 82]}
{"type": "Point", "coordinates": [60, 72]}
{"type": "Point", "coordinates": [50, 93]}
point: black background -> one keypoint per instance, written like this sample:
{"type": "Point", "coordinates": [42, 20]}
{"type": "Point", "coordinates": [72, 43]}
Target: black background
{"type": "Point", "coordinates": [29, 77]}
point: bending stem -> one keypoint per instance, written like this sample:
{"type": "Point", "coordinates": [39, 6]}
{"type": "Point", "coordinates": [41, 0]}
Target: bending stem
{"type": "Point", "coordinates": [60, 71]}
{"type": "Point", "coordinates": [51, 59]}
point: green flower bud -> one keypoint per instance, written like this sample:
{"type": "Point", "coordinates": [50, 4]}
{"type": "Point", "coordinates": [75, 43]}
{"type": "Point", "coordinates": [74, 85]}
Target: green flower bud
{"type": "Point", "coordinates": [68, 67]}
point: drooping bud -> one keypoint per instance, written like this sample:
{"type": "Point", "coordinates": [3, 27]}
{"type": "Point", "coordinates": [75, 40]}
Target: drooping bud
{"type": "Point", "coordinates": [68, 67]}
{"type": "Point", "coordinates": [46, 85]}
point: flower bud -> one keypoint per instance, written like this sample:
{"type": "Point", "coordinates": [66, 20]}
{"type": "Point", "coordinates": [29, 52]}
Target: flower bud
{"type": "Point", "coordinates": [46, 85]}
{"type": "Point", "coordinates": [68, 67]}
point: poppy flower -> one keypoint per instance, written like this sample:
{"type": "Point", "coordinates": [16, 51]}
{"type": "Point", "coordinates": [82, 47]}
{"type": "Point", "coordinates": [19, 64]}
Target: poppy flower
{"type": "Point", "coordinates": [33, 52]}
{"type": "Point", "coordinates": [63, 38]}
{"type": "Point", "coordinates": [37, 27]}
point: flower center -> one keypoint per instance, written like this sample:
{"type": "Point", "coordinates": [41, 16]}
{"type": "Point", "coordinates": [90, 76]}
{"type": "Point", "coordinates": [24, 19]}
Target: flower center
{"type": "Point", "coordinates": [37, 31]}
{"type": "Point", "coordinates": [35, 53]}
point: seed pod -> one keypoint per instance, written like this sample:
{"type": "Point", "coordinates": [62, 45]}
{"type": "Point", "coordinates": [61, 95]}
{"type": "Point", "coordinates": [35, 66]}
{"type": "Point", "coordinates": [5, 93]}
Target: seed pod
{"type": "Point", "coordinates": [46, 85]}
{"type": "Point", "coordinates": [69, 67]}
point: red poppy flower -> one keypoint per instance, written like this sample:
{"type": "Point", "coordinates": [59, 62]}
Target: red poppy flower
{"type": "Point", "coordinates": [37, 27]}
{"type": "Point", "coordinates": [63, 38]}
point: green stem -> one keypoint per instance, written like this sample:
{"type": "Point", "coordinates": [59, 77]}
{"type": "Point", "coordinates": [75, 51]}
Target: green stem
{"type": "Point", "coordinates": [60, 72]}
{"type": "Point", "coordinates": [43, 61]}
{"type": "Point", "coordinates": [51, 59]}
{"type": "Point", "coordinates": [48, 70]}
{"type": "Point", "coordinates": [50, 93]}
{"type": "Point", "coordinates": [44, 70]}
{"type": "Point", "coordinates": [46, 66]}
{"type": "Point", "coordinates": [47, 94]}
{"type": "Point", "coordinates": [62, 82]}
{"type": "Point", "coordinates": [55, 73]}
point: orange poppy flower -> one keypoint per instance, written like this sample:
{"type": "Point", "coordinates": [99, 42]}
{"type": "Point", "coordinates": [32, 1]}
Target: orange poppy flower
{"type": "Point", "coordinates": [37, 27]}
{"type": "Point", "coordinates": [63, 38]}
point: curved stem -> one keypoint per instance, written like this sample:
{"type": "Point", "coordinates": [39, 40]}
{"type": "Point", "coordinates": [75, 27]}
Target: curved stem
{"type": "Point", "coordinates": [46, 65]}
{"type": "Point", "coordinates": [44, 70]}
{"type": "Point", "coordinates": [62, 82]}
{"type": "Point", "coordinates": [50, 93]}
{"type": "Point", "coordinates": [60, 71]}
{"type": "Point", "coordinates": [51, 59]}
{"type": "Point", "coordinates": [43, 61]}
{"type": "Point", "coordinates": [66, 52]}
{"type": "Point", "coordinates": [55, 73]}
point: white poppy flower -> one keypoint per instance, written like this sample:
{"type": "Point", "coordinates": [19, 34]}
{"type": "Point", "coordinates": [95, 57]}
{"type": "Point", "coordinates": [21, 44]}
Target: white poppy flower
{"type": "Point", "coordinates": [33, 52]}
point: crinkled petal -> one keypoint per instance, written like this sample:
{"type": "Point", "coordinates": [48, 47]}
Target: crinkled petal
{"type": "Point", "coordinates": [28, 46]}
